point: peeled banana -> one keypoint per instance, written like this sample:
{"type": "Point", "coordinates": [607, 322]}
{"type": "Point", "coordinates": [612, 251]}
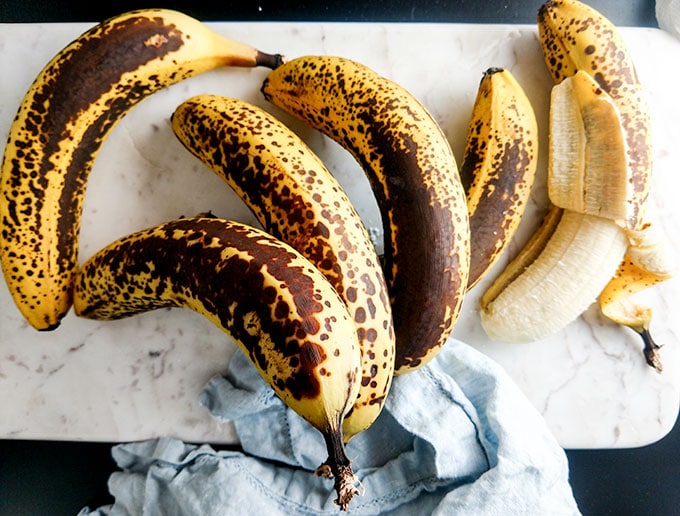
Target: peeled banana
{"type": "Point", "coordinates": [279, 309]}
{"type": "Point", "coordinates": [573, 37]}
{"type": "Point", "coordinates": [296, 199]}
{"type": "Point", "coordinates": [575, 264]}
{"type": "Point", "coordinates": [415, 180]}
{"type": "Point", "coordinates": [498, 167]}
{"type": "Point", "coordinates": [577, 40]}
{"type": "Point", "coordinates": [60, 126]}
{"type": "Point", "coordinates": [574, 254]}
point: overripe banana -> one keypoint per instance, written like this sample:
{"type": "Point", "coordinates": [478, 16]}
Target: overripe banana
{"type": "Point", "coordinates": [295, 198]}
{"type": "Point", "coordinates": [60, 126]}
{"type": "Point", "coordinates": [577, 38]}
{"type": "Point", "coordinates": [574, 253]}
{"type": "Point", "coordinates": [574, 36]}
{"type": "Point", "coordinates": [415, 180]}
{"type": "Point", "coordinates": [498, 167]}
{"type": "Point", "coordinates": [279, 309]}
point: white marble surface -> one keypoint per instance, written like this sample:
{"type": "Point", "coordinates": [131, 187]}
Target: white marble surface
{"type": "Point", "coordinates": [141, 377]}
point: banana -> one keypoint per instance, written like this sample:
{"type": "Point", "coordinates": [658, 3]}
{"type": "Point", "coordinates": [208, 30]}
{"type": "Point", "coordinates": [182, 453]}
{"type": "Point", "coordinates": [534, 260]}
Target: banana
{"type": "Point", "coordinates": [498, 167]}
{"type": "Point", "coordinates": [588, 167]}
{"type": "Point", "coordinates": [415, 180]}
{"type": "Point", "coordinates": [648, 261]}
{"type": "Point", "coordinates": [64, 118]}
{"type": "Point", "coordinates": [296, 199]}
{"type": "Point", "coordinates": [277, 307]}
{"type": "Point", "coordinates": [574, 254]}
{"type": "Point", "coordinates": [578, 40]}
{"type": "Point", "coordinates": [573, 37]}
{"type": "Point", "coordinates": [525, 257]}
{"type": "Point", "coordinates": [577, 262]}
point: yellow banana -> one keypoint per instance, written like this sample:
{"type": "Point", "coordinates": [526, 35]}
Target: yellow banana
{"type": "Point", "coordinates": [415, 180]}
{"type": "Point", "coordinates": [574, 36]}
{"type": "Point", "coordinates": [647, 263]}
{"type": "Point", "coordinates": [295, 198]}
{"type": "Point", "coordinates": [545, 290]}
{"type": "Point", "coordinates": [60, 126]}
{"type": "Point", "coordinates": [498, 167]}
{"type": "Point", "coordinates": [278, 308]}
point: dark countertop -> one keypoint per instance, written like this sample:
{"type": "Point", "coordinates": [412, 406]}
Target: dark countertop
{"type": "Point", "coordinates": [42, 477]}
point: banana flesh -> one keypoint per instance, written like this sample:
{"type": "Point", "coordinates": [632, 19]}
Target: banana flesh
{"type": "Point", "coordinates": [527, 255]}
{"type": "Point", "coordinates": [415, 180]}
{"type": "Point", "coordinates": [65, 116]}
{"type": "Point", "coordinates": [498, 167]}
{"type": "Point", "coordinates": [578, 40]}
{"type": "Point", "coordinates": [277, 307]}
{"type": "Point", "coordinates": [588, 166]}
{"type": "Point", "coordinates": [576, 263]}
{"type": "Point", "coordinates": [574, 37]}
{"type": "Point", "coordinates": [296, 199]}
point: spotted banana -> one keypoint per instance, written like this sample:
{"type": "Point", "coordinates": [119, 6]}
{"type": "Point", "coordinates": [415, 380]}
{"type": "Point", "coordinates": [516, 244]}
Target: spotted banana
{"type": "Point", "coordinates": [278, 308]}
{"type": "Point", "coordinates": [573, 37]}
{"type": "Point", "coordinates": [498, 167]}
{"type": "Point", "coordinates": [295, 198]}
{"type": "Point", "coordinates": [578, 40]}
{"type": "Point", "coordinates": [65, 116]}
{"type": "Point", "coordinates": [415, 180]}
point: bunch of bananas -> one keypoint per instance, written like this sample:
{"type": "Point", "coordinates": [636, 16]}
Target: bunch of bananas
{"type": "Point", "coordinates": [324, 319]}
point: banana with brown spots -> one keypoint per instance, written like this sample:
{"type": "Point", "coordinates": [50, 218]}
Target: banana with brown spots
{"type": "Point", "coordinates": [498, 167]}
{"type": "Point", "coordinates": [279, 309]}
{"type": "Point", "coordinates": [575, 38]}
{"type": "Point", "coordinates": [546, 290]}
{"type": "Point", "coordinates": [415, 180]}
{"type": "Point", "coordinates": [66, 114]}
{"type": "Point", "coordinates": [295, 198]}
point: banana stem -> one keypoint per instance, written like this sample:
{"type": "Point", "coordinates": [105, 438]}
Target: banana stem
{"type": "Point", "coordinates": [651, 349]}
{"type": "Point", "coordinates": [339, 466]}
{"type": "Point", "coordinates": [272, 61]}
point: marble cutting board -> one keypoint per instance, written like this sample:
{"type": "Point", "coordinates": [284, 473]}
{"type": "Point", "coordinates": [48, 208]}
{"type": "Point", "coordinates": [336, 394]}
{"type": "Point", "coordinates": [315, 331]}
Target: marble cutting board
{"type": "Point", "coordinates": [140, 378]}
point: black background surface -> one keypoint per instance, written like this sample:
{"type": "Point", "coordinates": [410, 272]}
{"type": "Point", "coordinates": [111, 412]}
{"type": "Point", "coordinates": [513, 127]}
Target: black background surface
{"type": "Point", "coordinates": [55, 478]}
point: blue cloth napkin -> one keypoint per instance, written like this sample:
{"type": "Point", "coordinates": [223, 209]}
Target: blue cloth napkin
{"type": "Point", "coordinates": [456, 437]}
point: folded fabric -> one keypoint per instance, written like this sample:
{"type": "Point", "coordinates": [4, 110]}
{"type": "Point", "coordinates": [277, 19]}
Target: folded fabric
{"type": "Point", "coordinates": [455, 437]}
